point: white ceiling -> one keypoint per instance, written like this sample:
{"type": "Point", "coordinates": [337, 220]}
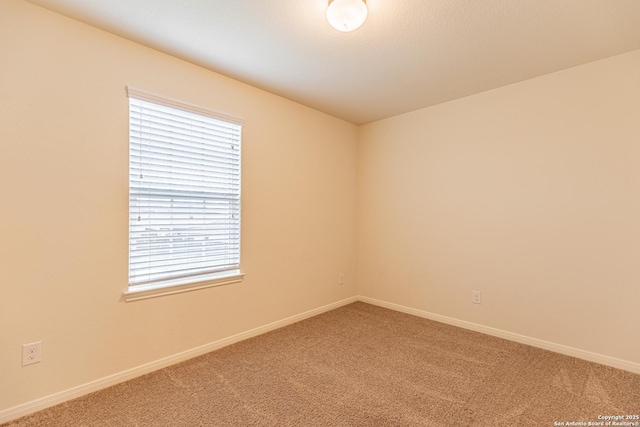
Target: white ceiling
{"type": "Point", "coordinates": [409, 54]}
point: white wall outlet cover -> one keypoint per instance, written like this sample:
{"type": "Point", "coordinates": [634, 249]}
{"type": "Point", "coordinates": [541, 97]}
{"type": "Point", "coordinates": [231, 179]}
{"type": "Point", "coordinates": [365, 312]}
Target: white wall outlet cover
{"type": "Point", "coordinates": [31, 353]}
{"type": "Point", "coordinates": [476, 297]}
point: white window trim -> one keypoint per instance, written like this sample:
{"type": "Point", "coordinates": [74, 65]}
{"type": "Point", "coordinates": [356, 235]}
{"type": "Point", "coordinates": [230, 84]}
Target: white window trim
{"type": "Point", "coordinates": [144, 95]}
{"type": "Point", "coordinates": [176, 286]}
{"type": "Point", "coordinates": [180, 285]}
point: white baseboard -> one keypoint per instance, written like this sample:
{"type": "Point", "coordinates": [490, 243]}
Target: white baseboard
{"type": "Point", "coordinates": [81, 390]}
{"type": "Point", "coordinates": [535, 342]}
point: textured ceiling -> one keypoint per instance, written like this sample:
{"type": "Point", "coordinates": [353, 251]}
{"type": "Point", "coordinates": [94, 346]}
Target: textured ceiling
{"type": "Point", "coordinates": [409, 54]}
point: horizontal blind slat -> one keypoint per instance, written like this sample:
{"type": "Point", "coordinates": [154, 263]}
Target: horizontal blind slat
{"type": "Point", "coordinates": [138, 107]}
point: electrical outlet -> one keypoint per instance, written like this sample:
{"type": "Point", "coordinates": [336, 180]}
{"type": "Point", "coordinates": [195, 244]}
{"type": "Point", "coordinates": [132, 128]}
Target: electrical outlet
{"type": "Point", "coordinates": [341, 279]}
{"type": "Point", "coordinates": [476, 297]}
{"type": "Point", "coordinates": [31, 353]}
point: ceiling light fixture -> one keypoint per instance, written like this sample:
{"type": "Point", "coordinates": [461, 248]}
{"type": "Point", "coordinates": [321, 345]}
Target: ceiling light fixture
{"type": "Point", "coordinates": [346, 15]}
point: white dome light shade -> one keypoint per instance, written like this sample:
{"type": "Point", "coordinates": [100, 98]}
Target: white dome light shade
{"type": "Point", "coordinates": [346, 15]}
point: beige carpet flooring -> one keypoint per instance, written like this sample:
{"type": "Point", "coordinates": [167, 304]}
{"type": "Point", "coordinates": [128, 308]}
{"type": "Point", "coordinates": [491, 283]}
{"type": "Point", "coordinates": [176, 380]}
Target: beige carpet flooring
{"type": "Point", "coordinates": [361, 365]}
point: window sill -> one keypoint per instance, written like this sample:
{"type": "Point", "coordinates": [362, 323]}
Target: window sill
{"type": "Point", "coordinates": [170, 287]}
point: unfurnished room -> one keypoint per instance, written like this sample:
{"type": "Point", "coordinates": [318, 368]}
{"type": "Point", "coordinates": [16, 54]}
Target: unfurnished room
{"type": "Point", "coordinates": [320, 213]}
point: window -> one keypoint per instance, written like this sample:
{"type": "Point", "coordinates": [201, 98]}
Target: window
{"type": "Point", "coordinates": [184, 197]}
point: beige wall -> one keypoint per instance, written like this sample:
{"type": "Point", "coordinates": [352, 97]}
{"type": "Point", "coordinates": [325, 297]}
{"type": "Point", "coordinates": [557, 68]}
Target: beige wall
{"type": "Point", "coordinates": [64, 196]}
{"type": "Point", "coordinates": [529, 193]}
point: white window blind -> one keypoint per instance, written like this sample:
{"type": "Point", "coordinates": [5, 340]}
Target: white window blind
{"type": "Point", "coordinates": [184, 193]}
